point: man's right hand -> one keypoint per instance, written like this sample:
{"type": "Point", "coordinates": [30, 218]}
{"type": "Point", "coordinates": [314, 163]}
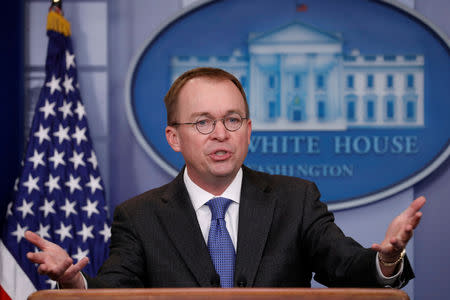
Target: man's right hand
{"type": "Point", "coordinates": [56, 263]}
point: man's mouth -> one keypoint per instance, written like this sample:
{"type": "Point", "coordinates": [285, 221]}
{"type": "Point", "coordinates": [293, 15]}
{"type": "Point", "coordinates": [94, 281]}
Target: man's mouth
{"type": "Point", "coordinates": [220, 155]}
{"type": "Point", "coordinates": [221, 152]}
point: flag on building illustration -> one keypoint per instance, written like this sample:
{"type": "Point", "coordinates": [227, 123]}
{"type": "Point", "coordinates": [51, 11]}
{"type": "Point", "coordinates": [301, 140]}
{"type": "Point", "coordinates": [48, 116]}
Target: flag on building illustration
{"type": "Point", "coordinates": [60, 193]}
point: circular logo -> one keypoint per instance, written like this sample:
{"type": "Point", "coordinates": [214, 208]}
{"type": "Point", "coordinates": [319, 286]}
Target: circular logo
{"type": "Point", "coordinates": [352, 95]}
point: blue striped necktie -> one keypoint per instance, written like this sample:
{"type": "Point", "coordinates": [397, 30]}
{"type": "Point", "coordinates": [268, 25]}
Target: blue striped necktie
{"type": "Point", "coordinates": [220, 245]}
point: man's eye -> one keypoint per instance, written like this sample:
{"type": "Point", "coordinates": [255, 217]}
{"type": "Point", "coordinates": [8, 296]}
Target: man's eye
{"type": "Point", "coordinates": [232, 120]}
{"type": "Point", "coordinates": [204, 122]}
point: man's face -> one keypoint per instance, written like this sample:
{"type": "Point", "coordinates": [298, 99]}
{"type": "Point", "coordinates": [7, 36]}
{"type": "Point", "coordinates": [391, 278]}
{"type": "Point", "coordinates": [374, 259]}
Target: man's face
{"type": "Point", "coordinates": [214, 157]}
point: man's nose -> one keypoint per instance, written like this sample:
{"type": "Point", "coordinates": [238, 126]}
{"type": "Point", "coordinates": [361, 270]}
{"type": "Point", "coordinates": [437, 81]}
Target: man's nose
{"type": "Point", "coordinates": [220, 132]}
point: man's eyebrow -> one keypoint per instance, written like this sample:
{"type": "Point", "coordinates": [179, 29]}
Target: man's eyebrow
{"type": "Point", "coordinates": [201, 114]}
{"type": "Point", "coordinates": [209, 115]}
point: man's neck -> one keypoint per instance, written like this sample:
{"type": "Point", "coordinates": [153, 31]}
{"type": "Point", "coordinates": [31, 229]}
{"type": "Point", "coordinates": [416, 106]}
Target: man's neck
{"type": "Point", "coordinates": [216, 186]}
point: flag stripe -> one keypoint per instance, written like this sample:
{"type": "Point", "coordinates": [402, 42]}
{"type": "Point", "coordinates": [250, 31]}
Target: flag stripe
{"type": "Point", "coordinates": [13, 280]}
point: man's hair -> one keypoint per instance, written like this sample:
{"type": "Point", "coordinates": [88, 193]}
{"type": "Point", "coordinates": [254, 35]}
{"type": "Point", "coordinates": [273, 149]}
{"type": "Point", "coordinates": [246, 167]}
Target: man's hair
{"type": "Point", "coordinates": [171, 98]}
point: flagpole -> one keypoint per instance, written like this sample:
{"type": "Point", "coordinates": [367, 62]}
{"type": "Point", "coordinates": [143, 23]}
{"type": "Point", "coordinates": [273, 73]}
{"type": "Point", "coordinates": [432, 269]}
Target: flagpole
{"type": "Point", "coordinates": [56, 6]}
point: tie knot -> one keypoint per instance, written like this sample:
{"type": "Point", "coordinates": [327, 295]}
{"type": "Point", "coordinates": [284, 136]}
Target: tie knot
{"type": "Point", "coordinates": [218, 207]}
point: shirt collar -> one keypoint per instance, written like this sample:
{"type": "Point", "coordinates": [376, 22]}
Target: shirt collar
{"type": "Point", "coordinates": [199, 196]}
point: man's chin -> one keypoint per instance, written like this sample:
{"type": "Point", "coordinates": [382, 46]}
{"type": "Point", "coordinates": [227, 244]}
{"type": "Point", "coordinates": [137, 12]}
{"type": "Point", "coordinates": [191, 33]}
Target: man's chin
{"type": "Point", "coordinates": [224, 172]}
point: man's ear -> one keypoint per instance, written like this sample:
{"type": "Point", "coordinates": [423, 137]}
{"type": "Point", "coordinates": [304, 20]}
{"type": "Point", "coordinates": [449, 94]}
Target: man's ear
{"type": "Point", "coordinates": [249, 130]}
{"type": "Point", "coordinates": [172, 138]}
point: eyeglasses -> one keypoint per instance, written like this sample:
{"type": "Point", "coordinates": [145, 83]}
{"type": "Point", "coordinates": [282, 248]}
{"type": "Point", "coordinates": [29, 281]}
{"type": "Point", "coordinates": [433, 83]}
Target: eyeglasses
{"type": "Point", "coordinates": [206, 125]}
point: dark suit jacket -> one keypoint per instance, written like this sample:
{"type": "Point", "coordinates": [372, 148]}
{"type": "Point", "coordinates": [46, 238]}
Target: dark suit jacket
{"type": "Point", "coordinates": [285, 234]}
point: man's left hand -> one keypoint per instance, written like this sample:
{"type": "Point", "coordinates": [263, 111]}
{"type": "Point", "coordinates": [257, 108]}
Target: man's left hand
{"type": "Point", "coordinates": [398, 234]}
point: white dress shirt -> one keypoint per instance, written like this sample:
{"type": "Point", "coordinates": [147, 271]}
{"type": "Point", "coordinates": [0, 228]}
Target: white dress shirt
{"type": "Point", "coordinates": [199, 197]}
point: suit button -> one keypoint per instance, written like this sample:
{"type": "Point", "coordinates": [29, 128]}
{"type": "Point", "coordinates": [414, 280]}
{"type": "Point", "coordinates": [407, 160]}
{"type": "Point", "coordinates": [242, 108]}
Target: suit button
{"type": "Point", "coordinates": [242, 283]}
{"type": "Point", "coordinates": [215, 281]}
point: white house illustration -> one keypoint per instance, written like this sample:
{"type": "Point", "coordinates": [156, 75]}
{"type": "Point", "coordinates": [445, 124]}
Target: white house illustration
{"type": "Point", "coordinates": [298, 78]}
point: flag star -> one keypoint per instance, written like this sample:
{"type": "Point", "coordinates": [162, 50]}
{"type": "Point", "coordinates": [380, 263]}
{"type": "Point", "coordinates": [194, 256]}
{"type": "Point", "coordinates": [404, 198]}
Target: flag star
{"type": "Point", "coordinates": [94, 183]}
{"type": "Point", "coordinates": [106, 232]}
{"type": "Point", "coordinates": [53, 84]}
{"type": "Point", "coordinates": [69, 208]}
{"type": "Point", "coordinates": [48, 207]}
{"type": "Point", "coordinates": [77, 159]}
{"type": "Point", "coordinates": [80, 254]}
{"type": "Point", "coordinates": [26, 208]}
{"type": "Point", "coordinates": [73, 183]}
{"type": "Point", "coordinates": [51, 283]}
{"type": "Point", "coordinates": [70, 60]}
{"type": "Point", "coordinates": [68, 86]}
{"type": "Point", "coordinates": [79, 135]}
{"type": "Point", "coordinates": [66, 109]}
{"type": "Point", "coordinates": [86, 232]}
{"type": "Point", "coordinates": [52, 183]}
{"type": "Point", "coordinates": [62, 134]}
{"type": "Point", "coordinates": [57, 158]}
{"type": "Point", "coordinates": [42, 134]}
{"type": "Point", "coordinates": [93, 160]}
{"type": "Point", "coordinates": [9, 209]}
{"type": "Point", "coordinates": [43, 231]}
{"type": "Point", "coordinates": [80, 111]}
{"type": "Point", "coordinates": [91, 208]}
{"type": "Point", "coordinates": [31, 183]}
{"type": "Point", "coordinates": [20, 232]}
{"type": "Point", "coordinates": [64, 232]}
{"type": "Point", "coordinates": [16, 184]}
{"type": "Point", "coordinates": [36, 159]}
{"type": "Point", "coordinates": [48, 109]}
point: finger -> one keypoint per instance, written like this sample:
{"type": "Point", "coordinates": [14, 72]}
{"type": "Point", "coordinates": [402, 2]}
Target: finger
{"type": "Point", "coordinates": [415, 206]}
{"type": "Point", "coordinates": [35, 239]}
{"type": "Point", "coordinates": [416, 220]}
{"type": "Point", "coordinates": [376, 247]}
{"type": "Point", "coordinates": [74, 269]}
{"type": "Point", "coordinates": [43, 270]}
{"type": "Point", "coordinates": [397, 244]}
{"type": "Point", "coordinates": [36, 257]}
{"type": "Point", "coordinates": [81, 264]}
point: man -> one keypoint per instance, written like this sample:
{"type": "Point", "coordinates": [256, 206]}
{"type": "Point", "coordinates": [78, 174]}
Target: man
{"type": "Point", "coordinates": [273, 231]}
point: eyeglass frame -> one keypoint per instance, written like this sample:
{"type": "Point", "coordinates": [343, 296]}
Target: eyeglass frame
{"type": "Point", "coordinates": [214, 123]}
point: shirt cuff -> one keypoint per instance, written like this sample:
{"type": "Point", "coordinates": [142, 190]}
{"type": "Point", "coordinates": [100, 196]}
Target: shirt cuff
{"type": "Point", "coordinates": [388, 281]}
{"type": "Point", "coordinates": [84, 280]}
{"type": "Point", "coordinates": [86, 285]}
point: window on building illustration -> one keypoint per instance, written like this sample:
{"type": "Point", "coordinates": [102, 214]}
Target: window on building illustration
{"type": "Point", "coordinates": [349, 58]}
{"type": "Point", "coordinates": [370, 81]}
{"type": "Point", "coordinates": [390, 57]}
{"type": "Point", "coordinates": [296, 81]}
{"type": "Point", "coordinates": [297, 115]}
{"type": "Point", "coordinates": [351, 111]}
{"type": "Point", "coordinates": [390, 81]}
{"type": "Point", "coordinates": [320, 82]}
{"type": "Point", "coordinates": [410, 110]}
{"type": "Point", "coordinates": [271, 81]}
{"type": "Point", "coordinates": [370, 110]}
{"type": "Point", "coordinates": [351, 107]}
{"type": "Point", "coordinates": [350, 81]}
{"type": "Point", "coordinates": [272, 109]}
{"type": "Point", "coordinates": [390, 109]}
{"type": "Point", "coordinates": [410, 57]}
{"type": "Point", "coordinates": [410, 81]}
{"type": "Point", "coordinates": [321, 110]}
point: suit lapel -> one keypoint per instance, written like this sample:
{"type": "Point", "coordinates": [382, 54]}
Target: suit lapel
{"type": "Point", "coordinates": [179, 219]}
{"type": "Point", "coordinates": [255, 217]}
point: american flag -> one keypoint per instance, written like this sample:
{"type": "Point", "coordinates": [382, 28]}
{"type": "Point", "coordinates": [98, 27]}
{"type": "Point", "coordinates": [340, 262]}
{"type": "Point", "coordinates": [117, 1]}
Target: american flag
{"type": "Point", "coordinates": [60, 193]}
